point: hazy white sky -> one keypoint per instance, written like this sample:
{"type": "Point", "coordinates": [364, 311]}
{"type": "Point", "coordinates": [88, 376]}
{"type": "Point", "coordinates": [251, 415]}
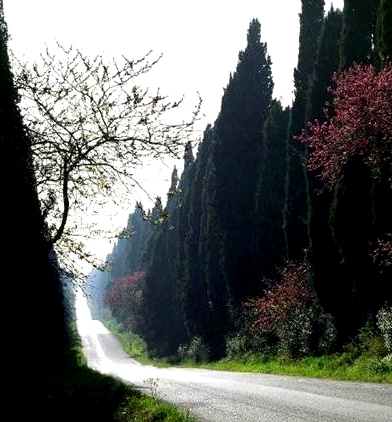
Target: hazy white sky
{"type": "Point", "coordinates": [200, 41]}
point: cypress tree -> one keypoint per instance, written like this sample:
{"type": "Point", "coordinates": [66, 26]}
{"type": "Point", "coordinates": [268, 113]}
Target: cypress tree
{"type": "Point", "coordinates": [237, 132]}
{"type": "Point", "coordinates": [324, 253]}
{"type": "Point", "coordinates": [383, 38]}
{"type": "Point", "coordinates": [359, 20]}
{"type": "Point", "coordinates": [193, 290]}
{"type": "Point", "coordinates": [351, 223]}
{"type": "Point", "coordinates": [212, 249]}
{"type": "Point", "coordinates": [160, 303]}
{"type": "Point", "coordinates": [269, 199]}
{"type": "Point", "coordinates": [128, 254]}
{"type": "Point", "coordinates": [358, 212]}
{"type": "Point", "coordinates": [163, 295]}
{"type": "Point", "coordinates": [297, 204]}
{"type": "Point", "coordinates": [327, 62]}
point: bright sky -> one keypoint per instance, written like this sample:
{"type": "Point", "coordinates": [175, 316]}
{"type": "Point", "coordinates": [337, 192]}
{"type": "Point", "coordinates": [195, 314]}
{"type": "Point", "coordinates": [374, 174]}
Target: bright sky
{"type": "Point", "coordinates": [200, 41]}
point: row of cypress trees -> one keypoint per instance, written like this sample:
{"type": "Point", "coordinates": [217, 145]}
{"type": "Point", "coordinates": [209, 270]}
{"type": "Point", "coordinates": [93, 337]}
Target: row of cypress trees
{"type": "Point", "coordinates": [247, 205]}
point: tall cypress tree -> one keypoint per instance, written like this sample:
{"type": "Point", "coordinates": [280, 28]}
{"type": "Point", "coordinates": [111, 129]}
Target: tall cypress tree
{"type": "Point", "coordinates": [237, 131]}
{"type": "Point", "coordinates": [383, 36]}
{"type": "Point", "coordinates": [269, 199]}
{"type": "Point", "coordinates": [327, 62]}
{"type": "Point", "coordinates": [359, 21]}
{"type": "Point", "coordinates": [163, 293]}
{"type": "Point", "coordinates": [212, 249]}
{"type": "Point", "coordinates": [193, 291]}
{"type": "Point", "coordinates": [297, 205]}
{"type": "Point", "coordinates": [324, 255]}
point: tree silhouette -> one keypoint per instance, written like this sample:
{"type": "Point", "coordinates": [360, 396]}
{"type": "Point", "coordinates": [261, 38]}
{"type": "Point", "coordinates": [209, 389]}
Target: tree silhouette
{"type": "Point", "coordinates": [92, 126]}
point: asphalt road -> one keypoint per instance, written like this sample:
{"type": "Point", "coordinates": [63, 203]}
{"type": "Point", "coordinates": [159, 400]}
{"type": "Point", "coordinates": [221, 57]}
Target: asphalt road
{"type": "Point", "coordinates": [217, 396]}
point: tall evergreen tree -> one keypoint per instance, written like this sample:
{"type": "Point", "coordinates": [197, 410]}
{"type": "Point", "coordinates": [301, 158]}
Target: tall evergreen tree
{"type": "Point", "coordinates": [327, 62]}
{"type": "Point", "coordinates": [237, 132]}
{"type": "Point", "coordinates": [160, 293]}
{"type": "Point", "coordinates": [163, 291]}
{"type": "Point", "coordinates": [128, 254]}
{"type": "Point", "coordinates": [323, 245]}
{"type": "Point", "coordinates": [359, 20]}
{"type": "Point", "coordinates": [297, 207]}
{"type": "Point", "coordinates": [356, 196]}
{"type": "Point", "coordinates": [212, 249]}
{"type": "Point", "coordinates": [269, 199]}
{"type": "Point", "coordinates": [383, 36]}
{"type": "Point", "coordinates": [193, 290]}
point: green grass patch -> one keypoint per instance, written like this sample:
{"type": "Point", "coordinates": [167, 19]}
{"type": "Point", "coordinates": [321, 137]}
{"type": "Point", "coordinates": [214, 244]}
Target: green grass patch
{"type": "Point", "coordinates": [342, 366]}
{"type": "Point", "coordinates": [134, 346]}
{"type": "Point", "coordinates": [364, 361]}
{"type": "Point", "coordinates": [146, 409]}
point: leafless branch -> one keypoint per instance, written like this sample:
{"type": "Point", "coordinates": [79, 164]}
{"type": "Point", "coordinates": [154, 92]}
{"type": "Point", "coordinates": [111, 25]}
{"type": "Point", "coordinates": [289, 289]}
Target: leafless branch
{"type": "Point", "coordinates": [91, 125]}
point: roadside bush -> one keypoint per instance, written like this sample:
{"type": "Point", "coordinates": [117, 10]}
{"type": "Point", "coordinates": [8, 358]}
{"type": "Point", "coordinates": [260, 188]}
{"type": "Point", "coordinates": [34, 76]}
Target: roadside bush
{"type": "Point", "coordinates": [328, 333]}
{"type": "Point", "coordinates": [295, 333]}
{"type": "Point", "coordinates": [384, 323]}
{"type": "Point", "coordinates": [248, 339]}
{"type": "Point", "coordinates": [196, 351]}
{"type": "Point", "coordinates": [379, 366]}
{"type": "Point", "coordinates": [290, 311]}
{"type": "Point", "coordinates": [236, 346]}
{"type": "Point", "coordinates": [371, 341]}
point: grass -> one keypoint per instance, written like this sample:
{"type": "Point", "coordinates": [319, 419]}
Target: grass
{"type": "Point", "coordinates": [357, 362]}
{"type": "Point", "coordinates": [343, 366]}
{"type": "Point", "coordinates": [134, 346]}
{"type": "Point", "coordinates": [362, 360]}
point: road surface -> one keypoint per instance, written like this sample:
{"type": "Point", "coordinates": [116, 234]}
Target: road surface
{"type": "Point", "coordinates": [217, 396]}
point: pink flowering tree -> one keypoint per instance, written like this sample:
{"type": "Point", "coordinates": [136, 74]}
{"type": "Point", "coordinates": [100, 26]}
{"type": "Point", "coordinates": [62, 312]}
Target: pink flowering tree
{"type": "Point", "coordinates": [282, 299]}
{"type": "Point", "coordinates": [124, 299]}
{"type": "Point", "coordinates": [290, 311]}
{"type": "Point", "coordinates": [359, 123]}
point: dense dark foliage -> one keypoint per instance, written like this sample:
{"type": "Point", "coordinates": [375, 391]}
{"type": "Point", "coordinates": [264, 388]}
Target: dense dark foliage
{"type": "Point", "coordinates": [34, 326]}
{"type": "Point", "coordinates": [304, 243]}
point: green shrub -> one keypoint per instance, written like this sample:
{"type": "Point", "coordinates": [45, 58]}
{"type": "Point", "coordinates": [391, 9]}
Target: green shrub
{"type": "Point", "coordinates": [236, 346]}
{"type": "Point", "coordinates": [384, 323]}
{"type": "Point", "coordinates": [379, 366]}
{"type": "Point", "coordinates": [294, 334]}
{"type": "Point", "coordinates": [290, 310]}
{"type": "Point", "coordinates": [196, 351]}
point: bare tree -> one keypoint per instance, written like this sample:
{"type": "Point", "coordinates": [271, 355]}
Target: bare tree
{"type": "Point", "coordinates": [91, 127]}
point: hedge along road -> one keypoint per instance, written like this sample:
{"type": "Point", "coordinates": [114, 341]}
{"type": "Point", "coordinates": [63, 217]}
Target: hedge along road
{"type": "Point", "coordinates": [218, 396]}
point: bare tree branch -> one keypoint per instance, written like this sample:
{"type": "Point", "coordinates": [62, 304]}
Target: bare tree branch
{"type": "Point", "coordinates": [91, 126]}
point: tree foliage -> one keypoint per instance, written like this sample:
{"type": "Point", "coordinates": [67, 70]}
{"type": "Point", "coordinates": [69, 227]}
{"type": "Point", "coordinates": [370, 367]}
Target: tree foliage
{"type": "Point", "coordinates": [282, 299]}
{"type": "Point", "coordinates": [359, 22]}
{"type": "Point", "coordinates": [36, 321]}
{"type": "Point", "coordinates": [297, 210]}
{"type": "Point", "coordinates": [235, 161]}
{"type": "Point", "coordinates": [383, 35]}
{"type": "Point", "coordinates": [248, 203]}
{"type": "Point", "coordinates": [291, 312]}
{"type": "Point", "coordinates": [124, 299]}
{"type": "Point", "coordinates": [361, 124]}
{"type": "Point", "coordinates": [92, 126]}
